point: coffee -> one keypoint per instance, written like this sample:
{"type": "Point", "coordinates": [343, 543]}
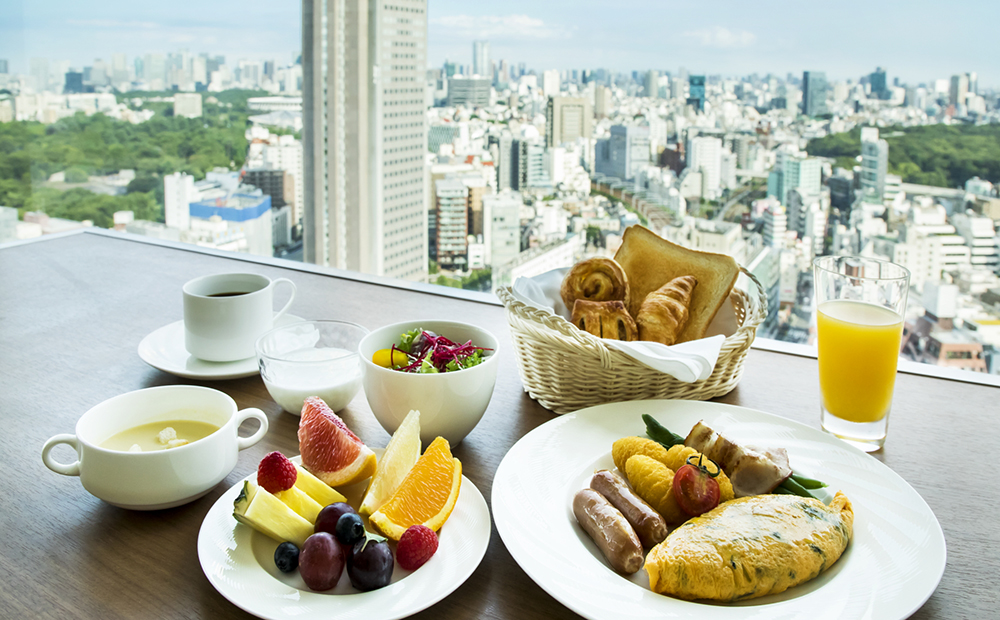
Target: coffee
{"type": "Point", "coordinates": [228, 294]}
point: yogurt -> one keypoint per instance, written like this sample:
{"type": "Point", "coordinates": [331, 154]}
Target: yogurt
{"type": "Point", "coordinates": [334, 375]}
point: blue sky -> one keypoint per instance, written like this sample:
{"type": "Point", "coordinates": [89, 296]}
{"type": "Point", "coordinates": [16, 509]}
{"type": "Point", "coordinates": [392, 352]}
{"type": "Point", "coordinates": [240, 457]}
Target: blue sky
{"type": "Point", "coordinates": [916, 40]}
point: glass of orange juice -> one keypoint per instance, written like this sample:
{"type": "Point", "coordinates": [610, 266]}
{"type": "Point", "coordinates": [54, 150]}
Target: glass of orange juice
{"type": "Point", "coordinates": [860, 307]}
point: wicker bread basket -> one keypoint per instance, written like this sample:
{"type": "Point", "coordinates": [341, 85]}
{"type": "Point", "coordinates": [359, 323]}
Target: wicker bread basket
{"type": "Point", "coordinates": [565, 368]}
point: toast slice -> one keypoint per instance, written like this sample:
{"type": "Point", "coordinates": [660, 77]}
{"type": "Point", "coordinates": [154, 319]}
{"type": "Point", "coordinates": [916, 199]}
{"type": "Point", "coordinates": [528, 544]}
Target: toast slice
{"type": "Point", "coordinates": [651, 261]}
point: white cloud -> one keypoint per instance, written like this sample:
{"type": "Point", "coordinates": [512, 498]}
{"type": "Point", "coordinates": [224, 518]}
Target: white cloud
{"type": "Point", "coordinates": [499, 27]}
{"type": "Point", "coordinates": [722, 38]}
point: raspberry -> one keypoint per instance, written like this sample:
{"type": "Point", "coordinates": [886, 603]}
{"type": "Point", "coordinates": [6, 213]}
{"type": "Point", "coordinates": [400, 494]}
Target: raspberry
{"type": "Point", "coordinates": [276, 473]}
{"type": "Point", "coordinates": [417, 544]}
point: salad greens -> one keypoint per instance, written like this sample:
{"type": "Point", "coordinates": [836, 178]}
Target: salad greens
{"type": "Point", "coordinates": [429, 353]}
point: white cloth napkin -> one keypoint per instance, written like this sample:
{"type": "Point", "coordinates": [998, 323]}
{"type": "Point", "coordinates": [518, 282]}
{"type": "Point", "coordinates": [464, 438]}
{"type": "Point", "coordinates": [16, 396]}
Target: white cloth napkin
{"type": "Point", "coordinates": [688, 362]}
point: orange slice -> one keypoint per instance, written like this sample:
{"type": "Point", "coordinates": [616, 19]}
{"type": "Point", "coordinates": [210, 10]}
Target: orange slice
{"type": "Point", "coordinates": [330, 451]}
{"type": "Point", "coordinates": [426, 496]}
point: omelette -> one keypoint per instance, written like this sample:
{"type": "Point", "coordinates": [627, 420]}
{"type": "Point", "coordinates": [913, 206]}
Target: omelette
{"type": "Point", "coordinates": [750, 547]}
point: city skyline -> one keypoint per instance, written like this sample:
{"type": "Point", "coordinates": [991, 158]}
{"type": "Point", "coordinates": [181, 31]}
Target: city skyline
{"type": "Point", "coordinates": [922, 44]}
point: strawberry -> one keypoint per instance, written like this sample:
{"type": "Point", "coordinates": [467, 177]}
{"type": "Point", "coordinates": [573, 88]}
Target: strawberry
{"type": "Point", "coordinates": [276, 473]}
{"type": "Point", "coordinates": [417, 544]}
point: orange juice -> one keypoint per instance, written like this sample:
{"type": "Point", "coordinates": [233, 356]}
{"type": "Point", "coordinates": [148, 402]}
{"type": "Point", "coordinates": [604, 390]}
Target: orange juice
{"type": "Point", "coordinates": [858, 349]}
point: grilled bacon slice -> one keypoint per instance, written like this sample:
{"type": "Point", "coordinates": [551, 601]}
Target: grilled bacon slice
{"type": "Point", "coordinates": [753, 471]}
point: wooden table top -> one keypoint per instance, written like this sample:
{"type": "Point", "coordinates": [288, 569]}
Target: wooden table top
{"type": "Point", "coordinates": [73, 310]}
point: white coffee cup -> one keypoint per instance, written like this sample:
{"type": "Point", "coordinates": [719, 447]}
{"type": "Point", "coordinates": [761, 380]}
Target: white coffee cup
{"type": "Point", "coordinates": [163, 478]}
{"type": "Point", "coordinates": [224, 314]}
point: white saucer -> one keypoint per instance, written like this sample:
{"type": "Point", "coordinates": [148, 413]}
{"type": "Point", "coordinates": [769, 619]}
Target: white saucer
{"type": "Point", "coordinates": [164, 350]}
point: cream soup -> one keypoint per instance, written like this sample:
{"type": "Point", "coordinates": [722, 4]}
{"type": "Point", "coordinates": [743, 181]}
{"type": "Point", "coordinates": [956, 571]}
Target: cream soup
{"type": "Point", "coordinates": [159, 435]}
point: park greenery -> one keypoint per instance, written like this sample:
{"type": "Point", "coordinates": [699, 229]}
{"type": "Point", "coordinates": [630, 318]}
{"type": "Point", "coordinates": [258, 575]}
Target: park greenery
{"type": "Point", "coordinates": [939, 155]}
{"type": "Point", "coordinates": [82, 146]}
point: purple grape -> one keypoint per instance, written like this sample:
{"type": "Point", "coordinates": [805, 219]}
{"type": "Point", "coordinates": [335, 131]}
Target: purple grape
{"type": "Point", "coordinates": [369, 565]}
{"type": "Point", "coordinates": [321, 561]}
{"type": "Point", "coordinates": [327, 519]}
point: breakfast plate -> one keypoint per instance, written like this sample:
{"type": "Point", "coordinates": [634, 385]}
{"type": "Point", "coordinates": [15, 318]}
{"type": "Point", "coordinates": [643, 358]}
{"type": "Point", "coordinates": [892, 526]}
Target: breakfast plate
{"type": "Point", "coordinates": [164, 350]}
{"type": "Point", "coordinates": [892, 565]}
{"type": "Point", "coordinates": [239, 563]}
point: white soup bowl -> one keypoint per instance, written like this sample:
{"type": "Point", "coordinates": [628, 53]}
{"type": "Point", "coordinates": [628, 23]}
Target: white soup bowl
{"type": "Point", "coordinates": [157, 479]}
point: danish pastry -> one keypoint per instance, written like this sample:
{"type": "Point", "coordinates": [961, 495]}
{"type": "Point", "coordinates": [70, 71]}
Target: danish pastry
{"type": "Point", "coordinates": [595, 279]}
{"type": "Point", "coordinates": [604, 319]}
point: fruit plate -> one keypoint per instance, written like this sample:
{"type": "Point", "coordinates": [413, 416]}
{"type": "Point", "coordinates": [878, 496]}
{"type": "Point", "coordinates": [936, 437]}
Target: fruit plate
{"type": "Point", "coordinates": [239, 563]}
{"type": "Point", "coordinates": [891, 567]}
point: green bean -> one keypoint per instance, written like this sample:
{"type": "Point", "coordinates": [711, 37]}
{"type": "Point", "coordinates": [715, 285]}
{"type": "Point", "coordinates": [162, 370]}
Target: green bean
{"type": "Point", "coordinates": [808, 483]}
{"type": "Point", "coordinates": [795, 488]}
{"type": "Point", "coordinates": [781, 491]}
{"type": "Point", "coordinates": [661, 434]}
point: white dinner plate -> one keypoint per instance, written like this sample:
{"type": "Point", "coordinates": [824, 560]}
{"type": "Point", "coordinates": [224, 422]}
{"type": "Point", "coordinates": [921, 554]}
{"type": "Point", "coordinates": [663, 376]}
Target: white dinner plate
{"type": "Point", "coordinates": [164, 350]}
{"type": "Point", "coordinates": [239, 562]}
{"type": "Point", "coordinates": [892, 565]}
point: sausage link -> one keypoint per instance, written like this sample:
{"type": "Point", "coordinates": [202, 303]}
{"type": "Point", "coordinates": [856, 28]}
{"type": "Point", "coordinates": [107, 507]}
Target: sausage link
{"type": "Point", "coordinates": [647, 523]}
{"type": "Point", "coordinates": [610, 530]}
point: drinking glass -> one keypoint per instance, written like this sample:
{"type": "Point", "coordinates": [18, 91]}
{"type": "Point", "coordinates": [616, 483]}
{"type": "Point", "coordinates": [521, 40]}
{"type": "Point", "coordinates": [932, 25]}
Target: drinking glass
{"type": "Point", "coordinates": [860, 307]}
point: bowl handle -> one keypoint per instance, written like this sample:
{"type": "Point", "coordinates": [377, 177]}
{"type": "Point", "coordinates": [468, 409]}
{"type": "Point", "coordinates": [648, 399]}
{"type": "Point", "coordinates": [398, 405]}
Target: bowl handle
{"type": "Point", "coordinates": [66, 469]}
{"type": "Point", "coordinates": [245, 442]}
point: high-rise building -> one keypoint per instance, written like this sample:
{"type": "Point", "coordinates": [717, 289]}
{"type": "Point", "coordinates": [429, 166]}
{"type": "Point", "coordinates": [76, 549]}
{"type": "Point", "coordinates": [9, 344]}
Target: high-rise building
{"type": "Point", "coordinates": [365, 136]}
{"type": "Point", "coordinates": [624, 152]}
{"type": "Point", "coordinates": [472, 92]}
{"type": "Point", "coordinates": [795, 172]}
{"type": "Point", "coordinates": [603, 105]}
{"type": "Point", "coordinates": [705, 156]}
{"type": "Point", "coordinates": [451, 209]}
{"type": "Point", "coordinates": [566, 119]}
{"type": "Point", "coordinates": [39, 71]}
{"type": "Point", "coordinates": [696, 92]}
{"type": "Point", "coordinates": [959, 88]}
{"type": "Point", "coordinates": [119, 69]}
{"type": "Point", "coordinates": [502, 148]}
{"type": "Point", "coordinates": [813, 93]}
{"type": "Point", "coordinates": [3, 66]}
{"type": "Point", "coordinates": [481, 59]}
{"type": "Point", "coordinates": [74, 83]}
{"type": "Point", "coordinates": [877, 80]}
{"type": "Point", "coordinates": [502, 228]}
{"type": "Point", "coordinates": [874, 164]}
{"type": "Point", "coordinates": [775, 226]}
{"type": "Point", "coordinates": [653, 84]}
{"type": "Point", "coordinates": [178, 194]}
{"type": "Point", "coordinates": [550, 83]}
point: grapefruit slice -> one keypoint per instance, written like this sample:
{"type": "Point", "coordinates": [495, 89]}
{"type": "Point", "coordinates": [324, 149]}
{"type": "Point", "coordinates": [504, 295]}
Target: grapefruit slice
{"type": "Point", "coordinates": [330, 451]}
{"type": "Point", "coordinates": [426, 496]}
{"type": "Point", "coordinates": [399, 457]}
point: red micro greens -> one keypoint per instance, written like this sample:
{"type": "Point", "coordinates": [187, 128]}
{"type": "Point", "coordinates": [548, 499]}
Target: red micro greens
{"type": "Point", "coordinates": [439, 352]}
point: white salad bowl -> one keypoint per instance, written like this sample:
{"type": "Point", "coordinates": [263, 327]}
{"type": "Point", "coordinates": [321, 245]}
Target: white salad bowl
{"type": "Point", "coordinates": [450, 403]}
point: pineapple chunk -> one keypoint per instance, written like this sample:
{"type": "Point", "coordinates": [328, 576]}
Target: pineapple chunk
{"type": "Point", "coordinates": [302, 504]}
{"type": "Point", "coordinates": [315, 488]}
{"type": "Point", "coordinates": [269, 516]}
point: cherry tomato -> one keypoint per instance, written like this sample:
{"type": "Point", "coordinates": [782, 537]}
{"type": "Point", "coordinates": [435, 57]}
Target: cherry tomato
{"type": "Point", "coordinates": [695, 488]}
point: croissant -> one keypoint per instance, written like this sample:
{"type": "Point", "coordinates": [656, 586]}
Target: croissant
{"type": "Point", "coordinates": [604, 319]}
{"type": "Point", "coordinates": [595, 279]}
{"type": "Point", "coordinates": [664, 313]}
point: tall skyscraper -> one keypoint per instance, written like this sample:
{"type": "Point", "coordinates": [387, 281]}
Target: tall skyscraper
{"type": "Point", "coordinates": [813, 93]}
{"type": "Point", "coordinates": [959, 88]}
{"type": "Point", "coordinates": [603, 105]}
{"type": "Point", "coordinates": [795, 172]}
{"type": "Point", "coordinates": [880, 90]}
{"type": "Point", "coordinates": [696, 92]}
{"type": "Point", "coordinates": [365, 135]}
{"type": "Point", "coordinates": [705, 156]}
{"type": "Point", "coordinates": [566, 119]}
{"type": "Point", "coordinates": [3, 65]}
{"type": "Point", "coordinates": [653, 84]}
{"type": "Point", "coordinates": [624, 152]}
{"type": "Point", "coordinates": [550, 83]}
{"type": "Point", "coordinates": [874, 163]}
{"type": "Point", "coordinates": [481, 59]}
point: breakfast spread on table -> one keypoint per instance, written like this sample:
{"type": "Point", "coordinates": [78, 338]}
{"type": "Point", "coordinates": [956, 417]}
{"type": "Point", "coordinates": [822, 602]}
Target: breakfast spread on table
{"type": "Point", "coordinates": [706, 517]}
{"type": "Point", "coordinates": [653, 290]}
{"type": "Point", "coordinates": [741, 524]}
{"type": "Point", "coordinates": [408, 499]}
